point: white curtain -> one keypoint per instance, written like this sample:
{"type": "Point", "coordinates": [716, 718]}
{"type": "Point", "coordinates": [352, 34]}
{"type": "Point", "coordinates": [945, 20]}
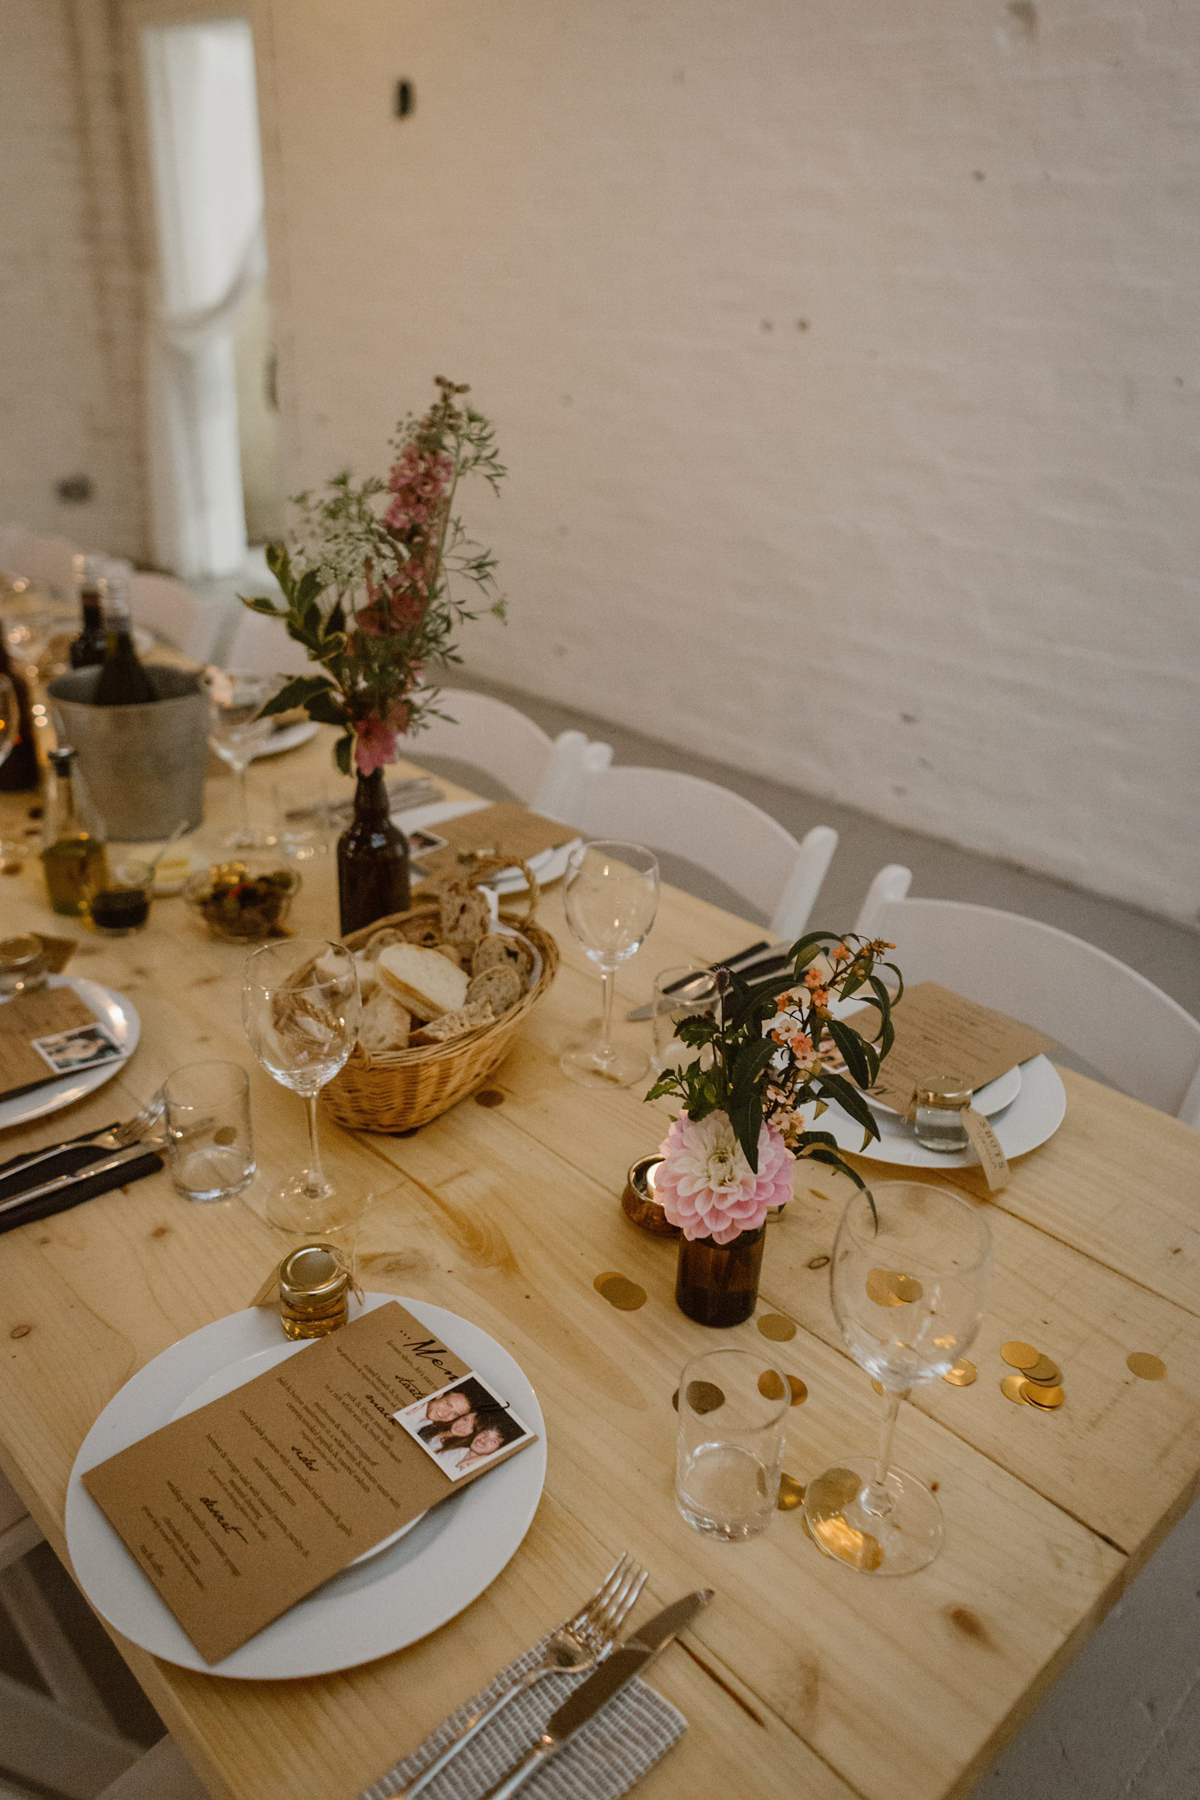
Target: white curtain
{"type": "Point", "coordinates": [207, 175]}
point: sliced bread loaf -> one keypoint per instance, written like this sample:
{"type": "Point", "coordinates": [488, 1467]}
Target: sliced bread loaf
{"type": "Point", "coordinates": [425, 982]}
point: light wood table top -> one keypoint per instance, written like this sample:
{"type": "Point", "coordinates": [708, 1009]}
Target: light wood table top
{"type": "Point", "coordinates": [802, 1677]}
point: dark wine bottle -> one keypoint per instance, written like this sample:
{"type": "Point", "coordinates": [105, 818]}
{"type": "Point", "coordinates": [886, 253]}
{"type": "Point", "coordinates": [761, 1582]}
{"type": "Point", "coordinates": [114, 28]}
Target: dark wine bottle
{"type": "Point", "coordinates": [123, 681]}
{"type": "Point", "coordinates": [88, 650]}
{"type": "Point", "coordinates": [19, 772]}
{"type": "Point", "coordinates": [372, 859]}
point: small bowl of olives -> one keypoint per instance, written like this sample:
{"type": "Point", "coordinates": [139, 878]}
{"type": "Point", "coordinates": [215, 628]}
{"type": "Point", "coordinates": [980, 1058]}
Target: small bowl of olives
{"type": "Point", "coordinates": [245, 900]}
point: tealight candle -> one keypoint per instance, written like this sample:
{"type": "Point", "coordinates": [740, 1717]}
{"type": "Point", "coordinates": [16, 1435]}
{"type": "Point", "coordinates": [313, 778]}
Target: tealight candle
{"type": "Point", "coordinates": [639, 1201]}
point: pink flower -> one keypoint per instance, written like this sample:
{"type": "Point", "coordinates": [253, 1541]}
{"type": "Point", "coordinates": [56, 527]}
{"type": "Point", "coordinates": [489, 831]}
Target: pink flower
{"type": "Point", "coordinates": [706, 1185]}
{"type": "Point", "coordinates": [377, 737]}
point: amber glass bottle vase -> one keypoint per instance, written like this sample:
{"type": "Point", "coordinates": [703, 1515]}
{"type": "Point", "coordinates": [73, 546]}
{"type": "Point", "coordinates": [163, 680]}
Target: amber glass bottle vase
{"type": "Point", "coordinates": [372, 858]}
{"type": "Point", "coordinates": [717, 1284]}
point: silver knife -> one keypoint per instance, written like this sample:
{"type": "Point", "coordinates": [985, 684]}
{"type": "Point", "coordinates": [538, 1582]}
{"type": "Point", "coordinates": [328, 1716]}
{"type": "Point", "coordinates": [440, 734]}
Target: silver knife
{"type": "Point", "coordinates": [633, 1658]}
{"type": "Point", "coordinates": [130, 1154]}
{"type": "Point", "coordinates": [750, 964]}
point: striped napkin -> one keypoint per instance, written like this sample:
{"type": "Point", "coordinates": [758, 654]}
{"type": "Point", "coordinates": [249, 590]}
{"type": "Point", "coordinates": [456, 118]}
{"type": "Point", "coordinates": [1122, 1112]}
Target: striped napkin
{"type": "Point", "coordinates": [604, 1759]}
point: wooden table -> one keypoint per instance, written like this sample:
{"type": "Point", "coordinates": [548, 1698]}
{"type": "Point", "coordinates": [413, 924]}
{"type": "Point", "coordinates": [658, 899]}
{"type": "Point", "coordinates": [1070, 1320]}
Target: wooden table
{"type": "Point", "coordinates": [802, 1678]}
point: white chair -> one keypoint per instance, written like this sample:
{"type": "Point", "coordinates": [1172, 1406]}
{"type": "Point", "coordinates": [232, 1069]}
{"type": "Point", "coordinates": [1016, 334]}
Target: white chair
{"type": "Point", "coordinates": [173, 613]}
{"type": "Point", "coordinates": [727, 835]}
{"type": "Point", "coordinates": [549, 774]}
{"type": "Point", "coordinates": [1138, 1037]}
{"type": "Point", "coordinates": [263, 647]}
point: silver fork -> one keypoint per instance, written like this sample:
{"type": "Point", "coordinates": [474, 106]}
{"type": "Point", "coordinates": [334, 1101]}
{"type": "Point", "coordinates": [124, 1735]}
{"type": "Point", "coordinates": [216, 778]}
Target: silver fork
{"type": "Point", "coordinates": [117, 1137]}
{"type": "Point", "coordinates": [578, 1645]}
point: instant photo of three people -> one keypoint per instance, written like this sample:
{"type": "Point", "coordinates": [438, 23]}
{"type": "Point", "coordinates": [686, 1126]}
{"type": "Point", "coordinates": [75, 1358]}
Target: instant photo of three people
{"type": "Point", "coordinates": [463, 1426]}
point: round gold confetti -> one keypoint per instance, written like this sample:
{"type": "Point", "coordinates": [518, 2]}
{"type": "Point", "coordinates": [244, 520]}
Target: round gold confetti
{"type": "Point", "coordinates": [704, 1396]}
{"type": "Point", "coordinates": [799, 1391]}
{"type": "Point", "coordinates": [857, 1548]}
{"type": "Point", "coordinates": [1018, 1355]}
{"type": "Point", "coordinates": [775, 1326]}
{"type": "Point", "coordinates": [620, 1292]}
{"type": "Point", "coordinates": [771, 1385]}
{"type": "Point", "coordinates": [225, 1135]}
{"type": "Point", "coordinates": [1048, 1398]}
{"type": "Point", "coordinates": [1146, 1366]}
{"type": "Point", "coordinates": [889, 1287]}
{"type": "Point", "coordinates": [675, 1399]}
{"type": "Point", "coordinates": [1013, 1388]}
{"type": "Point", "coordinates": [877, 1385]}
{"type": "Point", "coordinates": [962, 1374]}
{"type": "Point", "coordinates": [790, 1495]}
{"type": "Point", "coordinates": [1044, 1373]}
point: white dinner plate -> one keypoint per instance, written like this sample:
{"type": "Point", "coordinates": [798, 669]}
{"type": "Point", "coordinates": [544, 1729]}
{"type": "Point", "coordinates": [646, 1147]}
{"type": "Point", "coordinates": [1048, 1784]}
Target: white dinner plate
{"type": "Point", "coordinates": [1035, 1115]}
{"type": "Point", "coordinates": [289, 738]}
{"type": "Point", "coordinates": [113, 1010]}
{"type": "Point", "coordinates": [397, 1596]}
{"type": "Point", "coordinates": [990, 1099]}
{"type": "Point", "coordinates": [547, 865]}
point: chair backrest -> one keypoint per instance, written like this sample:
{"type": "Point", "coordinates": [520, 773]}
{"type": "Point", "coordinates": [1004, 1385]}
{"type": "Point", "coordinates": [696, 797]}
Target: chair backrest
{"type": "Point", "coordinates": [174, 613]}
{"type": "Point", "coordinates": [262, 646]}
{"type": "Point", "coordinates": [719, 830]}
{"type": "Point", "coordinates": [1137, 1036]}
{"type": "Point", "coordinates": [548, 774]}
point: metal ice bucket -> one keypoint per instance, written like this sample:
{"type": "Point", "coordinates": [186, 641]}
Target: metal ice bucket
{"type": "Point", "coordinates": [143, 765]}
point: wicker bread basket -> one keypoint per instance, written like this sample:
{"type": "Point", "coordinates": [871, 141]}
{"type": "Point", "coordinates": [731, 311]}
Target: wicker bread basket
{"type": "Point", "coordinates": [397, 1090]}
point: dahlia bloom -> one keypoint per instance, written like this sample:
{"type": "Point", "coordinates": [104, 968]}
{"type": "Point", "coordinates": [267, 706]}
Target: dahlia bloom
{"type": "Point", "coordinates": [706, 1185]}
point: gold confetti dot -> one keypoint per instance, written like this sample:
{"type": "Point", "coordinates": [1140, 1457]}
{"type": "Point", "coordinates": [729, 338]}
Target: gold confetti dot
{"type": "Point", "coordinates": [857, 1548]}
{"type": "Point", "coordinates": [704, 1396]}
{"type": "Point", "coordinates": [1013, 1388]}
{"type": "Point", "coordinates": [790, 1495]}
{"type": "Point", "coordinates": [1146, 1366]}
{"type": "Point", "coordinates": [774, 1325]}
{"type": "Point", "coordinates": [962, 1374]}
{"type": "Point", "coordinates": [1018, 1355]}
{"type": "Point", "coordinates": [877, 1385]}
{"type": "Point", "coordinates": [889, 1287]}
{"type": "Point", "coordinates": [226, 1135]}
{"type": "Point", "coordinates": [1048, 1398]}
{"type": "Point", "coordinates": [771, 1385]}
{"type": "Point", "coordinates": [620, 1292]}
{"type": "Point", "coordinates": [675, 1399]}
{"type": "Point", "coordinates": [1044, 1373]}
{"type": "Point", "coordinates": [819, 1262]}
{"type": "Point", "coordinates": [799, 1391]}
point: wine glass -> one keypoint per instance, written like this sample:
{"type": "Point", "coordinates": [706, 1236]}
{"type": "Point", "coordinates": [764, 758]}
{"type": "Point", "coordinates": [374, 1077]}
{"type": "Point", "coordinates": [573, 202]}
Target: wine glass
{"type": "Point", "coordinates": [908, 1282]}
{"type": "Point", "coordinates": [236, 731]}
{"type": "Point", "coordinates": [611, 896]}
{"type": "Point", "coordinates": [300, 1007]}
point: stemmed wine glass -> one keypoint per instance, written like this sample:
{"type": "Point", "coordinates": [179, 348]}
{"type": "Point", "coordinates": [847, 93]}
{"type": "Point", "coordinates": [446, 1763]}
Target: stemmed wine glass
{"type": "Point", "coordinates": [611, 896]}
{"type": "Point", "coordinates": [300, 1006]}
{"type": "Point", "coordinates": [908, 1282]}
{"type": "Point", "coordinates": [236, 731]}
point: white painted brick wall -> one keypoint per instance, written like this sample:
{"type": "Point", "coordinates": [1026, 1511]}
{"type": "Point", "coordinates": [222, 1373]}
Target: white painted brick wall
{"type": "Point", "coordinates": [70, 283]}
{"type": "Point", "coordinates": [934, 550]}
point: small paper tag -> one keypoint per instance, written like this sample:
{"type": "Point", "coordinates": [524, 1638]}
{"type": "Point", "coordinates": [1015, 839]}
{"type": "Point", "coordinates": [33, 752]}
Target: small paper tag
{"type": "Point", "coordinates": [268, 1293]}
{"type": "Point", "coordinates": [987, 1148]}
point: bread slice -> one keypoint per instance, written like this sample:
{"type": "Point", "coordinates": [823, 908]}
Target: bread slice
{"type": "Point", "coordinates": [454, 1024]}
{"type": "Point", "coordinates": [498, 987]}
{"type": "Point", "coordinates": [426, 983]}
{"type": "Point", "coordinates": [501, 947]}
{"type": "Point", "coordinates": [384, 1024]}
{"type": "Point", "coordinates": [466, 916]}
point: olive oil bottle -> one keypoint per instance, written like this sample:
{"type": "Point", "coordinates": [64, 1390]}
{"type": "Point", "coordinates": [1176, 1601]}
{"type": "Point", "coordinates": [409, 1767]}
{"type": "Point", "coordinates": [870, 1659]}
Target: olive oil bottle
{"type": "Point", "coordinates": [73, 855]}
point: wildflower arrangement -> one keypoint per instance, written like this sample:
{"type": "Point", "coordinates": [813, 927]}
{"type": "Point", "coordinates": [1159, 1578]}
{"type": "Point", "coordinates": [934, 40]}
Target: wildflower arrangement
{"type": "Point", "coordinates": [772, 1048]}
{"type": "Point", "coordinates": [367, 582]}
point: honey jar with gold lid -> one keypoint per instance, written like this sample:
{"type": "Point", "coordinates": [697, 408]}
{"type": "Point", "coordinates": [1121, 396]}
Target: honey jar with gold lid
{"type": "Point", "coordinates": [314, 1291]}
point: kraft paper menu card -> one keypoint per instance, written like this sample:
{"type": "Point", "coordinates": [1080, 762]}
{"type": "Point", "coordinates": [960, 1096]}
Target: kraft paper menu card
{"type": "Point", "coordinates": [938, 1032]}
{"type": "Point", "coordinates": [48, 1034]}
{"type": "Point", "coordinates": [238, 1510]}
{"type": "Point", "coordinates": [507, 828]}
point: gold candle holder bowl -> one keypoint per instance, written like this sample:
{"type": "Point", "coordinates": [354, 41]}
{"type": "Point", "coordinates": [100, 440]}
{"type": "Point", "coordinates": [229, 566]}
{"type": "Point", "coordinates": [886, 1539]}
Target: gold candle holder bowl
{"type": "Point", "coordinates": [638, 1202]}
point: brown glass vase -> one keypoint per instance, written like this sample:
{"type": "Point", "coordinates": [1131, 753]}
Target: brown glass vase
{"type": "Point", "coordinates": [717, 1284]}
{"type": "Point", "coordinates": [372, 859]}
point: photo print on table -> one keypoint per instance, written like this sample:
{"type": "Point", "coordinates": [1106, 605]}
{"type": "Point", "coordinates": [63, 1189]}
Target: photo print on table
{"type": "Point", "coordinates": [83, 1047]}
{"type": "Point", "coordinates": [464, 1426]}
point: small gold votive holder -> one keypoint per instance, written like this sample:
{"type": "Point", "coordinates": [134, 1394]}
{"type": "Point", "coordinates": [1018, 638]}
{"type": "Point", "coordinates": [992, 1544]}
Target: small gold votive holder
{"type": "Point", "coordinates": [638, 1202]}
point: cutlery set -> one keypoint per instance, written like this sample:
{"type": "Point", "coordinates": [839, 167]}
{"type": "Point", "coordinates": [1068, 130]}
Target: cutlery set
{"type": "Point", "coordinates": [79, 1168]}
{"type": "Point", "coordinates": [754, 962]}
{"type": "Point", "coordinates": [585, 1644]}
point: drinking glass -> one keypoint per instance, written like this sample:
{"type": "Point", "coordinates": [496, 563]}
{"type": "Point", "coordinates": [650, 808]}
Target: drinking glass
{"type": "Point", "coordinates": [611, 896]}
{"type": "Point", "coordinates": [732, 1409]}
{"type": "Point", "coordinates": [908, 1284]}
{"type": "Point", "coordinates": [209, 1146]}
{"type": "Point", "coordinates": [300, 1005]}
{"type": "Point", "coordinates": [686, 992]}
{"type": "Point", "coordinates": [236, 732]}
